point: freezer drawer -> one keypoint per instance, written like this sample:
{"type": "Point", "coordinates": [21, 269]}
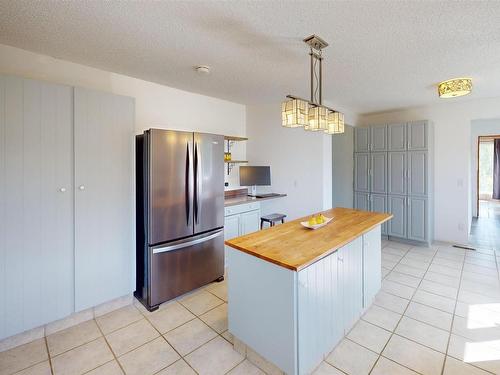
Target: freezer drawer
{"type": "Point", "coordinates": [181, 266]}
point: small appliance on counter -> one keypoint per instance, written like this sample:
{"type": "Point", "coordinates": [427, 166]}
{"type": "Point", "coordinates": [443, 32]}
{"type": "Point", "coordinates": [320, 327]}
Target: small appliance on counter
{"type": "Point", "coordinates": [180, 213]}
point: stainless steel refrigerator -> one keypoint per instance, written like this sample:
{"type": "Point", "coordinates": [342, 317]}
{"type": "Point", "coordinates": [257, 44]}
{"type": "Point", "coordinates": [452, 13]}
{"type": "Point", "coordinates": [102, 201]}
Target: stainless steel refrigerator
{"type": "Point", "coordinates": [180, 213]}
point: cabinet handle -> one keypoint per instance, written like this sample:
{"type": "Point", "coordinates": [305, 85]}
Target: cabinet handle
{"type": "Point", "coordinates": [81, 187]}
{"type": "Point", "coordinates": [62, 190]}
{"type": "Point", "coordinates": [340, 259]}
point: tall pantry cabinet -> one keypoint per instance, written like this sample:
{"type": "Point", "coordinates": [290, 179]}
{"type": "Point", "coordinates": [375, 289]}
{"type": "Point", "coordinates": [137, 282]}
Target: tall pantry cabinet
{"type": "Point", "coordinates": [66, 201]}
{"type": "Point", "coordinates": [393, 173]}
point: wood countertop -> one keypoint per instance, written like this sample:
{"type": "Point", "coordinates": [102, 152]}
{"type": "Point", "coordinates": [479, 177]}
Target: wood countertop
{"type": "Point", "coordinates": [292, 246]}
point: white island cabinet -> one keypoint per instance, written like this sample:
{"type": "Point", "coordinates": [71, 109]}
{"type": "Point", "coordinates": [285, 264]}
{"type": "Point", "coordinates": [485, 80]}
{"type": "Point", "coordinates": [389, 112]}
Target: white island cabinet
{"type": "Point", "coordinates": [294, 313]}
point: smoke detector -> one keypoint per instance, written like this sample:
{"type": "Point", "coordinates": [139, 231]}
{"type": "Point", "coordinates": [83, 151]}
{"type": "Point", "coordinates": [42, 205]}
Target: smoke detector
{"type": "Point", "coordinates": [203, 69]}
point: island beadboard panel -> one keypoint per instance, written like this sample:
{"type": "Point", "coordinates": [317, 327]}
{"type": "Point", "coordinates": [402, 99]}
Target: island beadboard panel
{"type": "Point", "coordinates": [292, 246]}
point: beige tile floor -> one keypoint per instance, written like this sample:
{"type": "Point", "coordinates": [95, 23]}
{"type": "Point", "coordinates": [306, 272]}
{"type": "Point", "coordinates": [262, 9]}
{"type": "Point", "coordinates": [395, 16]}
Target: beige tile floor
{"type": "Point", "coordinates": [438, 313]}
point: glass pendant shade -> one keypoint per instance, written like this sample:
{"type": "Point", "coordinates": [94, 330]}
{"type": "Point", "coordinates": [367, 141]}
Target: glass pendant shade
{"type": "Point", "coordinates": [335, 123]}
{"type": "Point", "coordinates": [294, 113]}
{"type": "Point", "coordinates": [317, 119]}
{"type": "Point", "coordinates": [455, 87]}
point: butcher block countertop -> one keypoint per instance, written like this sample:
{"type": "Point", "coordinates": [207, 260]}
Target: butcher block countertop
{"type": "Point", "coordinates": [292, 246]}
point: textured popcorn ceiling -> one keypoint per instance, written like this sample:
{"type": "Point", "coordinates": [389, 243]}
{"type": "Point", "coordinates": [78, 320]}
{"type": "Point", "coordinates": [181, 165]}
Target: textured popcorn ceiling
{"type": "Point", "coordinates": [382, 55]}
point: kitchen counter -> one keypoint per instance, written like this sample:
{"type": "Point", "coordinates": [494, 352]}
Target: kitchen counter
{"type": "Point", "coordinates": [242, 199]}
{"type": "Point", "coordinates": [292, 246]}
{"type": "Point", "coordinates": [294, 292]}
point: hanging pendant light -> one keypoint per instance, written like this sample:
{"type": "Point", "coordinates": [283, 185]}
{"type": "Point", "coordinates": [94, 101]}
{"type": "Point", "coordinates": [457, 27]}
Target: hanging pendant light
{"type": "Point", "coordinates": [312, 114]}
{"type": "Point", "coordinates": [317, 119]}
{"type": "Point", "coordinates": [294, 113]}
{"type": "Point", "coordinates": [335, 123]}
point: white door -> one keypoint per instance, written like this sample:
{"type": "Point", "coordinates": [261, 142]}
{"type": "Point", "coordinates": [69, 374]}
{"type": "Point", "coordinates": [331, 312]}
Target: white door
{"type": "Point", "coordinates": [372, 265]}
{"type": "Point", "coordinates": [231, 230]}
{"type": "Point", "coordinates": [36, 204]}
{"type": "Point", "coordinates": [249, 222]}
{"type": "Point", "coordinates": [350, 259]}
{"type": "Point", "coordinates": [104, 197]}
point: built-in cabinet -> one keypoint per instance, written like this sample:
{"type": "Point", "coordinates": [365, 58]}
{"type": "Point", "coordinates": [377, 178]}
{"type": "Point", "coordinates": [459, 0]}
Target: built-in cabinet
{"type": "Point", "coordinates": [396, 173]}
{"type": "Point", "coordinates": [241, 219]}
{"type": "Point", "coordinates": [66, 201]}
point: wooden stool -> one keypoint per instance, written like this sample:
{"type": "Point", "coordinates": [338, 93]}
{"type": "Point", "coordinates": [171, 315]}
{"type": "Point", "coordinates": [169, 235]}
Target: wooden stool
{"type": "Point", "coordinates": [272, 219]}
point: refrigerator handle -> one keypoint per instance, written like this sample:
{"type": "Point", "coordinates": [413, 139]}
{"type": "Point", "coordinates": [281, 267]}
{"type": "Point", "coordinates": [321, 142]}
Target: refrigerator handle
{"type": "Point", "coordinates": [195, 204]}
{"type": "Point", "coordinates": [188, 198]}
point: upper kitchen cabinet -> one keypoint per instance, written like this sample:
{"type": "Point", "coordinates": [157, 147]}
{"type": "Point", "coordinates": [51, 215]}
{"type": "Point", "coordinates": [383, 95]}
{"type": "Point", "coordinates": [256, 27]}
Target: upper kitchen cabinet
{"type": "Point", "coordinates": [417, 135]}
{"type": "Point", "coordinates": [361, 139]}
{"type": "Point", "coordinates": [396, 137]}
{"type": "Point", "coordinates": [36, 204]}
{"type": "Point", "coordinates": [378, 138]}
{"type": "Point", "coordinates": [104, 197]}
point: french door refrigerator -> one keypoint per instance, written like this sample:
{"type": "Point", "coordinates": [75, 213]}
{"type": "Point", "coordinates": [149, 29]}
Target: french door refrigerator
{"type": "Point", "coordinates": [180, 213]}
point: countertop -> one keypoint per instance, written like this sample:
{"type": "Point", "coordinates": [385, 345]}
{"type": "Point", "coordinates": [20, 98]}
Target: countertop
{"type": "Point", "coordinates": [292, 246]}
{"type": "Point", "coordinates": [241, 199]}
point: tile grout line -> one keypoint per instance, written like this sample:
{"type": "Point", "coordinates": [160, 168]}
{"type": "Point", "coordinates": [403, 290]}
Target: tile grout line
{"type": "Point", "coordinates": [453, 317]}
{"type": "Point", "coordinates": [392, 332]}
{"type": "Point", "coordinates": [403, 314]}
{"type": "Point", "coordinates": [48, 354]}
{"type": "Point", "coordinates": [110, 348]}
{"type": "Point", "coordinates": [163, 337]}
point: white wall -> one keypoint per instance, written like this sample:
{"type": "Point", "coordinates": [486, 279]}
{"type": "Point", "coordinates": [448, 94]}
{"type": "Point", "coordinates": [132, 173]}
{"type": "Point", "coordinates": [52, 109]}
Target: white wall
{"type": "Point", "coordinates": [343, 169]}
{"type": "Point", "coordinates": [300, 162]}
{"type": "Point", "coordinates": [452, 132]}
{"type": "Point", "coordinates": [479, 127]}
{"type": "Point", "coordinates": [156, 105]}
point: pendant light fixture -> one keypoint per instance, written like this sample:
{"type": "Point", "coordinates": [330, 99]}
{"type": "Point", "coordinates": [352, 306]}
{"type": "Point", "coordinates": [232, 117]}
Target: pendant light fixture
{"type": "Point", "coordinates": [312, 114]}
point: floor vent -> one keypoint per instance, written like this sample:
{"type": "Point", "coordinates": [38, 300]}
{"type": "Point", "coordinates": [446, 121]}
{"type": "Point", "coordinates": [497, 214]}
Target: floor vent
{"type": "Point", "coordinates": [464, 247]}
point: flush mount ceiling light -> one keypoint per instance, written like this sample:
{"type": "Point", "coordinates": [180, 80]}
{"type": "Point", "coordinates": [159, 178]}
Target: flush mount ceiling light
{"type": "Point", "coordinates": [203, 69]}
{"type": "Point", "coordinates": [455, 87]}
{"type": "Point", "coordinates": [311, 114]}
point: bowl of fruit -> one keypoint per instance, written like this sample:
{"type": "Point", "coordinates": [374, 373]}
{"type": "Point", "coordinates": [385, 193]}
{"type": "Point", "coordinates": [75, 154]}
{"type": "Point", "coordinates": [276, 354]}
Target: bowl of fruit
{"type": "Point", "coordinates": [316, 221]}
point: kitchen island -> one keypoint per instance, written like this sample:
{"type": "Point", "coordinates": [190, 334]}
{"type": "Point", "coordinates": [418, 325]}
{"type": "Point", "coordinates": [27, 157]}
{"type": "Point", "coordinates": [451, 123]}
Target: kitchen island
{"type": "Point", "coordinates": [294, 292]}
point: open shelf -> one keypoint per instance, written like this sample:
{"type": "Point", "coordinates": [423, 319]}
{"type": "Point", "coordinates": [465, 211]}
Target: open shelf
{"type": "Point", "coordinates": [235, 161]}
{"type": "Point", "coordinates": [234, 138]}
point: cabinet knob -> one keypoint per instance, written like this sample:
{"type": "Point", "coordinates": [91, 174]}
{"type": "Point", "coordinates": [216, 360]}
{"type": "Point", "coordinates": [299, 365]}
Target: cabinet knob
{"type": "Point", "coordinates": [62, 190]}
{"type": "Point", "coordinates": [81, 187]}
{"type": "Point", "coordinates": [340, 259]}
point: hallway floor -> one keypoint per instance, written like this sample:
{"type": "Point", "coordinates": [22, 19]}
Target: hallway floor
{"type": "Point", "coordinates": [485, 229]}
{"type": "Point", "coordinates": [438, 313]}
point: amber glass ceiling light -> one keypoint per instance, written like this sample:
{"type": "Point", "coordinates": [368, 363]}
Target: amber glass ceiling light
{"type": "Point", "coordinates": [312, 114]}
{"type": "Point", "coordinates": [455, 87]}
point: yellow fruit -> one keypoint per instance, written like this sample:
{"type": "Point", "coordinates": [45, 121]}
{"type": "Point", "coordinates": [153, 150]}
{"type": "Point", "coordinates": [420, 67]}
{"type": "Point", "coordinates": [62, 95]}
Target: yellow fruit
{"type": "Point", "coordinates": [319, 219]}
{"type": "Point", "coordinates": [312, 221]}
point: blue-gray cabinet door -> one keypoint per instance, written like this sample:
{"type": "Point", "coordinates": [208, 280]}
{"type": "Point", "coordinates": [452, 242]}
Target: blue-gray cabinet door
{"type": "Point", "coordinates": [396, 137]}
{"type": "Point", "coordinates": [397, 207]}
{"type": "Point", "coordinates": [417, 173]}
{"type": "Point", "coordinates": [104, 197]}
{"type": "Point", "coordinates": [378, 138]}
{"type": "Point", "coordinates": [362, 201]}
{"type": "Point", "coordinates": [36, 204]}
{"type": "Point", "coordinates": [397, 171]}
{"type": "Point", "coordinates": [350, 258]}
{"type": "Point", "coordinates": [417, 135]}
{"type": "Point", "coordinates": [361, 139]}
{"type": "Point", "coordinates": [378, 203]}
{"type": "Point", "coordinates": [361, 172]}
{"type": "Point", "coordinates": [378, 172]}
{"type": "Point", "coordinates": [417, 219]}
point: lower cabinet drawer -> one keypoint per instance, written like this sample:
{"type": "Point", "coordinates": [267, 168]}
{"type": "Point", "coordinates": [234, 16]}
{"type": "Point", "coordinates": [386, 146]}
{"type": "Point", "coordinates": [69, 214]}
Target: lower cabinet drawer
{"type": "Point", "coordinates": [236, 209]}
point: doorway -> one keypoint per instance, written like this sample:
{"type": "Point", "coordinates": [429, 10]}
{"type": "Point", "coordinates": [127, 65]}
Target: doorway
{"type": "Point", "coordinates": [485, 229]}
